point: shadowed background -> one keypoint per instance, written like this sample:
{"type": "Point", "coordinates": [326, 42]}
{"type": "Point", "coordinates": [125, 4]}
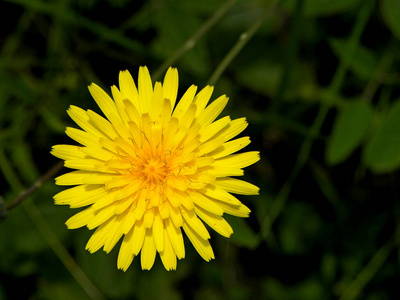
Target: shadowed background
{"type": "Point", "coordinates": [318, 82]}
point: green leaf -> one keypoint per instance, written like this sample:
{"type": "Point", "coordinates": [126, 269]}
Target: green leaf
{"type": "Point", "coordinates": [391, 15]}
{"type": "Point", "coordinates": [315, 8]}
{"type": "Point", "coordinates": [363, 63]}
{"type": "Point", "coordinates": [348, 131]}
{"type": "Point", "coordinates": [382, 153]}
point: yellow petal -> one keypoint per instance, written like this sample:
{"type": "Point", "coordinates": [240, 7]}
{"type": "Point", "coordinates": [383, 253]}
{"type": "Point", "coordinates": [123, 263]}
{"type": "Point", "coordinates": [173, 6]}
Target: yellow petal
{"type": "Point", "coordinates": [104, 101]}
{"type": "Point", "coordinates": [217, 193]}
{"type": "Point", "coordinates": [194, 222]}
{"type": "Point", "coordinates": [80, 219]}
{"type": "Point", "coordinates": [224, 171]}
{"type": "Point", "coordinates": [202, 98]}
{"type": "Point", "coordinates": [218, 223]}
{"type": "Point", "coordinates": [236, 186]}
{"type": "Point", "coordinates": [188, 118]}
{"type": "Point", "coordinates": [207, 132]}
{"type": "Point", "coordinates": [171, 85]}
{"type": "Point", "coordinates": [68, 152]}
{"type": "Point", "coordinates": [185, 102]}
{"type": "Point", "coordinates": [206, 203]}
{"type": "Point", "coordinates": [83, 137]}
{"type": "Point", "coordinates": [119, 103]}
{"type": "Point", "coordinates": [166, 112]}
{"type": "Point", "coordinates": [164, 210]}
{"type": "Point", "coordinates": [129, 221]}
{"type": "Point", "coordinates": [103, 201]}
{"type": "Point", "coordinates": [79, 196]}
{"type": "Point", "coordinates": [235, 210]}
{"type": "Point", "coordinates": [125, 255]}
{"type": "Point", "coordinates": [101, 216]}
{"type": "Point", "coordinates": [201, 245]}
{"type": "Point", "coordinates": [82, 119]}
{"type": "Point", "coordinates": [132, 112]}
{"type": "Point", "coordinates": [118, 181]}
{"type": "Point", "coordinates": [210, 145]}
{"type": "Point", "coordinates": [168, 256]}
{"type": "Point", "coordinates": [114, 233]}
{"type": "Point", "coordinates": [157, 103]}
{"type": "Point", "coordinates": [102, 124]}
{"type": "Point", "coordinates": [158, 231]}
{"type": "Point", "coordinates": [240, 160]}
{"type": "Point", "coordinates": [126, 146]}
{"type": "Point", "coordinates": [140, 208]}
{"type": "Point", "coordinates": [184, 198]}
{"type": "Point", "coordinates": [145, 89]}
{"type": "Point", "coordinates": [98, 238]}
{"type": "Point", "coordinates": [230, 147]}
{"type": "Point", "coordinates": [122, 205]}
{"type": "Point", "coordinates": [136, 134]}
{"type": "Point", "coordinates": [179, 183]}
{"type": "Point", "coordinates": [120, 128]}
{"type": "Point", "coordinates": [173, 199]}
{"type": "Point", "coordinates": [139, 231]}
{"type": "Point", "coordinates": [148, 218]}
{"type": "Point", "coordinates": [175, 215]}
{"type": "Point", "coordinates": [148, 253]}
{"type": "Point", "coordinates": [176, 238]}
{"type": "Point", "coordinates": [83, 177]}
{"type": "Point", "coordinates": [128, 88]}
{"type": "Point", "coordinates": [98, 153]}
{"type": "Point", "coordinates": [212, 111]}
{"type": "Point", "coordinates": [88, 164]}
{"type": "Point", "coordinates": [235, 127]}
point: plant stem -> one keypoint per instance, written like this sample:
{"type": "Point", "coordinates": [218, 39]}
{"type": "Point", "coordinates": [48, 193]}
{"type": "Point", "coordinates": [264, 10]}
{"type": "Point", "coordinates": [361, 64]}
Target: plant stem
{"type": "Point", "coordinates": [37, 218]}
{"type": "Point", "coordinates": [50, 173]}
{"type": "Point", "coordinates": [191, 42]}
{"type": "Point", "coordinates": [366, 274]}
{"type": "Point", "coordinates": [243, 39]}
{"type": "Point", "coordinates": [314, 130]}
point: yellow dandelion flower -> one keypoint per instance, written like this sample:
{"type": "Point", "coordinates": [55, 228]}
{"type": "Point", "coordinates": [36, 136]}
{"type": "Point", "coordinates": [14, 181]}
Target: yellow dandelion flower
{"type": "Point", "coordinates": [153, 167]}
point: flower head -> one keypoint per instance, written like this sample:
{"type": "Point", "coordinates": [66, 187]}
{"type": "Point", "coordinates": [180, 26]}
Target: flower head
{"type": "Point", "coordinates": [153, 167]}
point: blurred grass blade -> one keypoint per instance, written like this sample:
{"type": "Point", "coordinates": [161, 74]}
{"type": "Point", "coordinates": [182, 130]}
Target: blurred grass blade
{"type": "Point", "coordinates": [191, 42]}
{"type": "Point", "coordinates": [69, 16]}
{"type": "Point", "coordinates": [243, 39]}
{"type": "Point", "coordinates": [290, 55]}
{"type": "Point", "coordinates": [47, 233]}
{"type": "Point", "coordinates": [362, 279]}
{"type": "Point", "coordinates": [333, 90]}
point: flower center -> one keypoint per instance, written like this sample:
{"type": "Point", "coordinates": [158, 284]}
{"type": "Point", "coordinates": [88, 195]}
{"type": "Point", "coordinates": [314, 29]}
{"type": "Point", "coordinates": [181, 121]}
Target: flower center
{"type": "Point", "coordinates": [154, 170]}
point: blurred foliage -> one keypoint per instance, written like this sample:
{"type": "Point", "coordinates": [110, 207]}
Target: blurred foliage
{"type": "Point", "coordinates": [319, 83]}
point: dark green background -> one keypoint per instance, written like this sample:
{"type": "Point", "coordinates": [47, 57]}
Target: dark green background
{"type": "Point", "coordinates": [319, 83]}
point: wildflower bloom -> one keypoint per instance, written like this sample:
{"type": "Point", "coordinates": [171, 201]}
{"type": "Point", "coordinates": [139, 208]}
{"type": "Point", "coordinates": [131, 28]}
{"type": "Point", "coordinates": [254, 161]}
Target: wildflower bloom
{"type": "Point", "coordinates": [152, 168]}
